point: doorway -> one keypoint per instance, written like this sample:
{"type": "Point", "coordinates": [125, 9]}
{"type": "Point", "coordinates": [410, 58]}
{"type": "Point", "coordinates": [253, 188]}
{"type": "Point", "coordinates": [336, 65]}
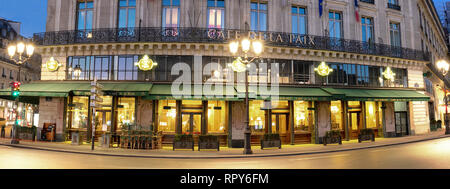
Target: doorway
{"type": "Point", "coordinates": [191, 123]}
{"type": "Point", "coordinates": [280, 125]}
{"type": "Point", "coordinates": [102, 121]}
{"type": "Point", "coordinates": [401, 124]}
{"type": "Point", "coordinates": [355, 124]}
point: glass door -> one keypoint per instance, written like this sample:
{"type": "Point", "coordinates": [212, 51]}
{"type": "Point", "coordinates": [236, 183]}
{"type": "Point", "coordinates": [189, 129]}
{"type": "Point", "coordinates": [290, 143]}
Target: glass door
{"type": "Point", "coordinates": [102, 122]}
{"type": "Point", "coordinates": [354, 121]}
{"type": "Point", "coordinates": [401, 124]}
{"type": "Point", "coordinates": [279, 123]}
{"type": "Point", "coordinates": [191, 123]}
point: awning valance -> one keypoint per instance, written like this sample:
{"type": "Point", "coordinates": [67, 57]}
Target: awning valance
{"type": "Point", "coordinates": [285, 93]}
{"type": "Point", "coordinates": [208, 92]}
{"type": "Point", "coordinates": [376, 95]}
{"type": "Point", "coordinates": [62, 89]}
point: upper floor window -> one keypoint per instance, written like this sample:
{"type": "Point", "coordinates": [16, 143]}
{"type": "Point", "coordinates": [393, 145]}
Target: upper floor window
{"type": "Point", "coordinates": [394, 4]}
{"type": "Point", "coordinates": [258, 16]}
{"type": "Point", "coordinates": [367, 29]}
{"type": "Point", "coordinates": [216, 13]}
{"type": "Point", "coordinates": [85, 9]}
{"type": "Point", "coordinates": [335, 24]}
{"type": "Point", "coordinates": [395, 34]}
{"type": "Point", "coordinates": [127, 13]}
{"type": "Point", "coordinates": [171, 13]}
{"type": "Point", "coordinates": [299, 20]}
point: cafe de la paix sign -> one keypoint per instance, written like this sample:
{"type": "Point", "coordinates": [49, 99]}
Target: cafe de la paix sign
{"type": "Point", "coordinates": [282, 38]}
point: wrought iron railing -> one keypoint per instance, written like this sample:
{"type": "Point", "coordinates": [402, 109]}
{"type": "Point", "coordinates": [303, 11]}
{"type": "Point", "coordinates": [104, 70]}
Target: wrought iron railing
{"type": "Point", "coordinates": [204, 35]}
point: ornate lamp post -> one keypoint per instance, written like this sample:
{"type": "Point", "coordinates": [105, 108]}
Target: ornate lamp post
{"type": "Point", "coordinates": [443, 66]}
{"type": "Point", "coordinates": [240, 65]}
{"type": "Point", "coordinates": [19, 53]}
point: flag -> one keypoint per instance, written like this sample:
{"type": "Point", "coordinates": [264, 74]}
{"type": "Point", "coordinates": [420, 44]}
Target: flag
{"type": "Point", "coordinates": [320, 7]}
{"type": "Point", "coordinates": [357, 11]}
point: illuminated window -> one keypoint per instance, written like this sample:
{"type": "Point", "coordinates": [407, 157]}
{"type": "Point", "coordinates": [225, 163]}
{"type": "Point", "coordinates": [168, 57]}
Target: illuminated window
{"type": "Point", "coordinates": [171, 12]}
{"type": "Point", "coordinates": [257, 116]}
{"type": "Point", "coordinates": [167, 114]}
{"type": "Point", "coordinates": [126, 111]}
{"type": "Point", "coordinates": [336, 116]}
{"type": "Point", "coordinates": [216, 13]}
{"type": "Point", "coordinates": [303, 117]}
{"type": "Point", "coordinates": [79, 108]}
{"type": "Point", "coordinates": [372, 115]}
{"type": "Point", "coordinates": [217, 119]}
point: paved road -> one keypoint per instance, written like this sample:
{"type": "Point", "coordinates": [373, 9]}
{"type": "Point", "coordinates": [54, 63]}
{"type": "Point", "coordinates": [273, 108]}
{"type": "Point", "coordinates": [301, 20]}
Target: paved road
{"type": "Point", "coordinates": [434, 154]}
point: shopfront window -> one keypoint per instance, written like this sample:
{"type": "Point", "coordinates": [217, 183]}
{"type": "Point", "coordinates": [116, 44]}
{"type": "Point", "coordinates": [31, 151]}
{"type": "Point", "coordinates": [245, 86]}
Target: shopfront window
{"type": "Point", "coordinates": [336, 116]}
{"type": "Point", "coordinates": [80, 107]}
{"type": "Point", "coordinates": [167, 114]}
{"type": "Point", "coordinates": [217, 117]}
{"type": "Point", "coordinates": [257, 116]}
{"type": "Point", "coordinates": [126, 109]}
{"type": "Point", "coordinates": [303, 117]}
{"type": "Point", "coordinates": [372, 115]}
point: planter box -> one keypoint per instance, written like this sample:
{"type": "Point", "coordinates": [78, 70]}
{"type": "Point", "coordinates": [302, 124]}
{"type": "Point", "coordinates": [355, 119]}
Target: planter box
{"type": "Point", "coordinates": [332, 137]}
{"type": "Point", "coordinates": [271, 141]}
{"type": "Point", "coordinates": [270, 144]}
{"type": "Point", "coordinates": [77, 139]}
{"type": "Point", "coordinates": [366, 135]}
{"type": "Point", "coordinates": [209, 142]}
{"type": "Point", "coordinates": [183, 142]}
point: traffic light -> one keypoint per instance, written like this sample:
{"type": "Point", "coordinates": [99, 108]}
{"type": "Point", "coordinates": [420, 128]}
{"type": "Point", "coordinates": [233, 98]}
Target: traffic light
{"type": "Point", "coordinates": [15, 89]}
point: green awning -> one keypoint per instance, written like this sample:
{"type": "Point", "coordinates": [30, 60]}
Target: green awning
{"type": "Point", "coordinates": [62, 89]}
{"type": "Point", "coordinates": [376, 95]}
{"type": "Point", "coordinates": [164, 92]}
{"type": "Point", "coordinates": [285, 93]}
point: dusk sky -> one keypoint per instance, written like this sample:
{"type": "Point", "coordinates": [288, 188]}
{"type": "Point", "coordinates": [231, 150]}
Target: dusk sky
{"type": "Point", "coordinates": [31, 13]}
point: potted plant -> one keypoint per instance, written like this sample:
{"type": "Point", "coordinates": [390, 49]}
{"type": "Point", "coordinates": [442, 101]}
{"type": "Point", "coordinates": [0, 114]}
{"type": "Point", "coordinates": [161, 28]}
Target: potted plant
{"type": "Point", "coordinates": [332, 137]}
{"type": "Point", "coordinates": [183, 141]}
{"type": "Point", "coordinates": [208, 142]}
{"type": "Point", "coordinates": [366, 135]}
{"type": "Point", "coordinates": [271, 141]}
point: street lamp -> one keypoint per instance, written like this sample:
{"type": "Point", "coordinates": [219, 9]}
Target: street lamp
{"type": "Point", "coordinates": [240, 65]}
{"type": "Point", "coordinates": [443, 66]}
{"type": "Point", "coordinates": [19, 53]}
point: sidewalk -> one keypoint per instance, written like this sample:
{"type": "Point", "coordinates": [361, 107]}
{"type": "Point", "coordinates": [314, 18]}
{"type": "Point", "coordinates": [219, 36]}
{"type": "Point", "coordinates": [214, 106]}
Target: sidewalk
{"type": "Point", "coordinates": [224, 152]}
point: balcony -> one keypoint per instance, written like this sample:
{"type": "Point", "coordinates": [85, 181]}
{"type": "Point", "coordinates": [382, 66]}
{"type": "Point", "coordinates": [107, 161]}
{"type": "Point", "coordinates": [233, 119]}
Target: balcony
{"type": "Point", "coordinates": [221, 36]}
{"type": "Point", "coordinates": [394, 6]}
{"type": "Point", "coordinates": [368, 1]}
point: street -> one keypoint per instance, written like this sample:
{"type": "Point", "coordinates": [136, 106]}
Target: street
{"type": "Point", "coordinates": [433, 154]}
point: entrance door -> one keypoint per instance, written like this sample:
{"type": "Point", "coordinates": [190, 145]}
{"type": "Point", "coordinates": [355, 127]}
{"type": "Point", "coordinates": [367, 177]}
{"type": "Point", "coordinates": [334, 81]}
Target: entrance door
{"type": "Point", "coordinates": [280, 125]}
{"type": "Point", "coordinates": [102, 121]}
{"type": "Point", "coordinates": [191, 123]}
{"type": "Point", "coordinates": [354, 121]}
{"type": "Point", "coordinates": [401, 124]}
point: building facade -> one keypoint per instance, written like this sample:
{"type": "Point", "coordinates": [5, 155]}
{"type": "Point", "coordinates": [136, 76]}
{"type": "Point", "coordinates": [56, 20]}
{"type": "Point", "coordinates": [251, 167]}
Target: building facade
{"type": "Point", "coordinates": [359, 40]}
{"type": "Point", "coordinates": [30, 71]}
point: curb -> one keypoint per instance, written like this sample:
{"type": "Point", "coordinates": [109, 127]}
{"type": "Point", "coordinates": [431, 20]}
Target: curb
{"type": "Point", "coordinates": [221, 157]}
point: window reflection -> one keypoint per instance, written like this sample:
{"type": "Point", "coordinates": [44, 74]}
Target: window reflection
{"type": "Point", "coordinates": [257, 116]}
{"type": "Point", "coordinates": [167, 114]}
{"type": "Point", "coordinates": [126, 111]}
{"type": "Point", "coordinates": [127, 13]}
{"type": "Point", "coordinates": [217, 119]}
{"type": "Point", "coordinates": [336, 116]}
{"type": "Point", "coordinates": [303, 117]}
{"type": "Point", "coordinates": [80, 106]}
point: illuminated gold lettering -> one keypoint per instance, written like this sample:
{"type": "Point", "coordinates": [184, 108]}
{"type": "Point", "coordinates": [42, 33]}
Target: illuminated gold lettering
{"type": "Point", "coordinates": [238, 34]}
{"type": "Point", "coordinates": [291, 38]}
{"type": "Point", "coordinates": [311, 40]}
{"type": "Point", "coordinates": [279, 38]}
